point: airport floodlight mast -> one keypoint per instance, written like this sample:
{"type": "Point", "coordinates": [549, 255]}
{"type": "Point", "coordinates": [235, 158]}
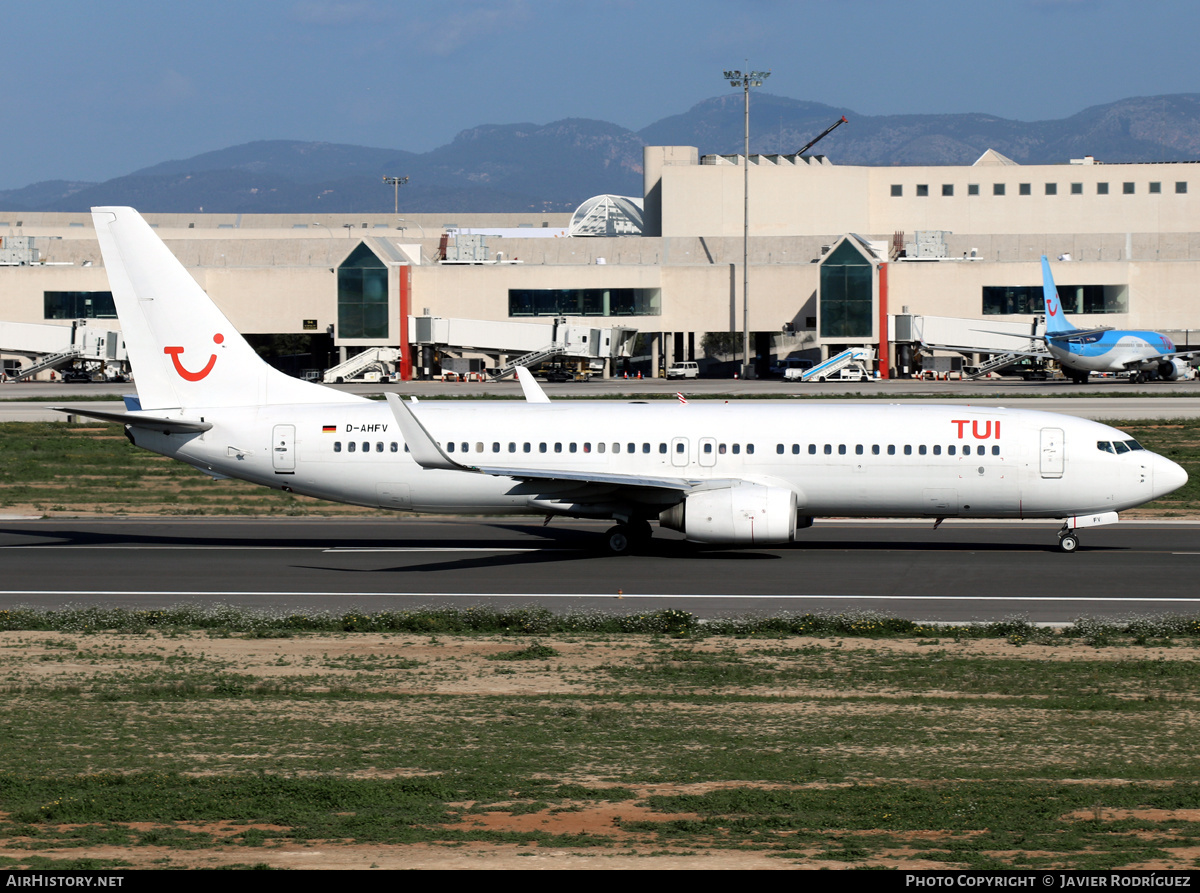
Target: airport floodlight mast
{"type": "Point", "coordinates": [396, 183]}
{"type": "Point", "coordinates": [746, 80]}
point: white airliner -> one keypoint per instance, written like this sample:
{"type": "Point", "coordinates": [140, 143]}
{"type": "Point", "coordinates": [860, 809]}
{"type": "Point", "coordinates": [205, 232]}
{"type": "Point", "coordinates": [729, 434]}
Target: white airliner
{"type": "Point", "coordinates": [729, 474]}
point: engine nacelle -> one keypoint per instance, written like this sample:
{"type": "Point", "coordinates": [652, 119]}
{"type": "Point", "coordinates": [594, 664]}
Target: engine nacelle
{"type": "Point", "coordinates": [743, 514]}
{"type": "Point", "coordinates": [1172, 370]}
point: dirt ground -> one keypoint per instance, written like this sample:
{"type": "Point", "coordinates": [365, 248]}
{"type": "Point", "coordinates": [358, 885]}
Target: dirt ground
{"type": "Point", "coordinates": [461, 665]}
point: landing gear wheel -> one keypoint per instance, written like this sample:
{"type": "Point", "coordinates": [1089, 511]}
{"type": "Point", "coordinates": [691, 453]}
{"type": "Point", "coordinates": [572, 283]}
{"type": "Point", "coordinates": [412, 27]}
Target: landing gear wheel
{"type": "Point", "coordinates": [1068, 542]}
{"type": "Point", "coordinates": [618, 539]}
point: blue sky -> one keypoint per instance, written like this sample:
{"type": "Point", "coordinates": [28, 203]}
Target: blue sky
{"type": "Point", "coordinates": [97, 90]}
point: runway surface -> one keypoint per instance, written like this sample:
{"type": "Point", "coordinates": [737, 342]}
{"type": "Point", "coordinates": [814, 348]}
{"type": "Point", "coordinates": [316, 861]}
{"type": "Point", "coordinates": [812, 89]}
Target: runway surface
{"type": "Point", "coordinates": [964, 571]}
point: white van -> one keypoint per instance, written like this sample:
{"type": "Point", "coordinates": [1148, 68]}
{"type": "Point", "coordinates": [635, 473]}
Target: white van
{"type": "Point", "coordinates": [686, 369]}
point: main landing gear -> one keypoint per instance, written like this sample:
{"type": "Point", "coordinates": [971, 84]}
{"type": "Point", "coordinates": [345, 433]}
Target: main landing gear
{"type": "Point", "coordinates": [628, 537]}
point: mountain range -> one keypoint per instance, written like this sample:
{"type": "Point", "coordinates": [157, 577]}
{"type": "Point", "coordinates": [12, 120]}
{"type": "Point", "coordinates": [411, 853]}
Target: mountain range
{"type": "Point", "coordinates": [556, 166]}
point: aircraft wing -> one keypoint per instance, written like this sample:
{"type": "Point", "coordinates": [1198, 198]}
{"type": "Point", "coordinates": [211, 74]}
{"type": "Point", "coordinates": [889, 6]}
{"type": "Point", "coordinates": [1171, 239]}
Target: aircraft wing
{"type": "Point", "coordinates": [425, 450]}
{"type": "Point", "coordinates": [966, 348]}
{"type": "Point", "coordinates": [140, 420]}
{"type": "Point", "coordinates": [1150, 362]}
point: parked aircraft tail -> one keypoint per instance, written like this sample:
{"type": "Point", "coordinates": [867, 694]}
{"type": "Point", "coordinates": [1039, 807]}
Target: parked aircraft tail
{"type": "Point", "coordinates": [183, 350]}
{"type": "Point", "coordinates": [1056, 318]}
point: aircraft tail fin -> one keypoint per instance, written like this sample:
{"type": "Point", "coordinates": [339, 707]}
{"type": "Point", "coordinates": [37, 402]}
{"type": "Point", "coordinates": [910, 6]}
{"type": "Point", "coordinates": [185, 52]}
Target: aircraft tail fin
{"type": "Point", "coordinates": [1056, 317]}
{"type": "Point", "coordinates": [183, 350]}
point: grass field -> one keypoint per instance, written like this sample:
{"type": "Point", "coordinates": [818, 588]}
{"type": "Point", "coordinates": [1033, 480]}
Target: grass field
{"type": "Point", "coordinates": [176, 747]}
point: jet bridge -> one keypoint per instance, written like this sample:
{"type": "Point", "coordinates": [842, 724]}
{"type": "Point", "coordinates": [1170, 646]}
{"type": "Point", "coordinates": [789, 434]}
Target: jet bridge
{"type": "Point", "coordinates": [52, 347]}
{"type": "Point", "coordinates": [520, 343]}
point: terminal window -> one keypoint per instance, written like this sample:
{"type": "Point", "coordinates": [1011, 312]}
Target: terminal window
{"type": "Point", "coordinates": [1155, 188]}
{"type": "Point", "coordinates": [1006, 299]}
{"type": "Point", "coordinates": [997, 189]}
{"type": "Point", "coordinates": [1180, 187]}
{"type": "Point", "coordinates": [1101, 189]}
{"type": "Point", "coordinates": [1051, 189]}
{"type": "Point", "coordinates": [897, 190]}
{"type": "Point", "coordinates": [972, 189]}
{"type": "Point", "coordinates": [922, 190]}
{"type": "Point", "coordinates": [584, 302]}
{"type": "Point", "coordinates": [1127, 188]}
{"type": "Point", "coordinates": [1076, 189]}
{"type": "Point", "coordinates": [79, 305]}
{"type": "Point", "coordinates": [1025, 189]}
{"type": "Point", "coordinates": [362, 295]}
{"type": "Point", "coordinates": [947, 189]}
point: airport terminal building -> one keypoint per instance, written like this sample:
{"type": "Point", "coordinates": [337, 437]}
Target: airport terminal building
{"type": "Point", "coordinates": [834, 252]}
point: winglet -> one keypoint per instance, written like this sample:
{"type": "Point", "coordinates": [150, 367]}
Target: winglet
{"type": "Point", "coordinates": [421, 446]}
{"type": "Point", "coordinates": [529, 386]}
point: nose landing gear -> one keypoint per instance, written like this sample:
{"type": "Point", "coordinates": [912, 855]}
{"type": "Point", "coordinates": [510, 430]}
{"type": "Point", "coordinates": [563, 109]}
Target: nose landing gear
{"type": "Point", "coordinates": [1068, 540]}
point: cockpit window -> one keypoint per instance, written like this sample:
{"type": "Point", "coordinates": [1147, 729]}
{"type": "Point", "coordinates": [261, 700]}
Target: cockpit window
{"type": "Point", "coordinates": [1104, 446]}
{"type": "Point", "coordinates": [1134, 445]}
{"type": "Point", "coordinates": [1121, 447]}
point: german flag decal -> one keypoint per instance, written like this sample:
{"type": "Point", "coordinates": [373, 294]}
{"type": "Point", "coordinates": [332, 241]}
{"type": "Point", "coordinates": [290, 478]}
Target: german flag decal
{"type": "Point", "coordinates": [329, 429]}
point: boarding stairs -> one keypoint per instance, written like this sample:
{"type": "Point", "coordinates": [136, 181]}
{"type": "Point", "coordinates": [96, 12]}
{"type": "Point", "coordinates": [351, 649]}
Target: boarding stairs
{"type": "Point", "coordinates": [836, 364]}
{"type": "Point", "coordinates": [529, 360]}
{"type": "Point", "coordinates": [54, 361]}
{"type": "Point", "coordinates": [377, 357]}
{"type": "Point", "coordinates": [995, 363]}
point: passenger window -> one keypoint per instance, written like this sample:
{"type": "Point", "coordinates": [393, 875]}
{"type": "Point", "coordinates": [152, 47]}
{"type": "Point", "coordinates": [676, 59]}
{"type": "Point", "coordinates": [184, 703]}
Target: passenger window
{"type": "Point", "coordinates": [337, 446]}
{"type": "Point", "coordinates": [921, 449]}
{"type": "Point", "coordinates": [841, 449]}
{"type": "Point", "coordinates": [812, 449]}
{"type": "Point", "coordinates": [874, 449]}
{"type": "Point", "coordinates": [558, 448]}
{"type": "Point", "coordinates": [449, 447]}
{"type": "Point", "coordinates": [779, 448]}
{"type": "Point", "coordinates": [587, 447]}
{"type": "Point", "coordinates": [379, 447]}
{"type": "Point", "coordinates": [645, 447]}
{"type": "Point", "coordinates": [571, 447]}
{"type": "Point", "coordinates": [891, 449]}
{"type": "Point", "coordinates": [662, 448]}
{"type": "Point", "coordinates": [679, 447]}
{"type": "Point", "coordinates": [750, 449]}
{"type": "Point", "coordinates": [495, 447]}
{"type": "Point", "coordinates": [631, 447]}
{"type": "Point", "coordinates": [828, 449]}
{"type": "Point", "coordinates": [795, 449]}
{"type": "Point", "coordinates": [721, 449]}
{"type": "Point", "coordinates": [858, 449]}
{"type": "Point", "coordinates": [527, 447]}
{"type": "Point", "coordinates": [366, 446]}
{"type": "Point", "coordinates": [541, 447]}
{"type": "Point", "coordinates": [350, 447]}
{"type": "Point", "coordinates": [950, 450]}
{"type": "Point", "coordinates": [995, 451]}
{"type": "Point", "coordinates": [937, 449]}
{"type": "Point", "coordinates": [395, 447]}
{"type": "Point", "coordinates": [600, 447]}
{"type": "Point", "coordinates": [737, 448]}
{"type": "Point", "coordinates": [479, 446]}
{"type": "Point", "coordinates": [512, 447]}
{"type": "Point", "coordinates": [908, 449]}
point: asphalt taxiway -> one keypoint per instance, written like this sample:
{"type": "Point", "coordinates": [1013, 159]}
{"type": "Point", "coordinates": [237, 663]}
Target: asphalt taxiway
{"type": "Point", "coordinates": [961, 572]}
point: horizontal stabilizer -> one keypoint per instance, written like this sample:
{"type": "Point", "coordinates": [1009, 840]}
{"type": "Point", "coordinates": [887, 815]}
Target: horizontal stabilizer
{"type": "Point", "coordinates": [156, 423]}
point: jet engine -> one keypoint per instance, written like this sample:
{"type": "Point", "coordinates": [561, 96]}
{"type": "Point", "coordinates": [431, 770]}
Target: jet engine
{"type": "Point", "coordinates": [742, 514]}
{"type": "Point", "coordinates": [1172, 369]}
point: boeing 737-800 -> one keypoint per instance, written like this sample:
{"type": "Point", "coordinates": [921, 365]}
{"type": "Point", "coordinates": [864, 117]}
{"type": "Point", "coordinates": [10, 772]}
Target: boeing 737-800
{"type": "Point", "coordinates": [1083, 351]}
{"type": "Point", "coordinates": [728, 474]}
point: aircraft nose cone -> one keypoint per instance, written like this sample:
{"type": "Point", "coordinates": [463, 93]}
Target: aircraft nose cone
{"type": "Point", "coordinates": [1168, 476]}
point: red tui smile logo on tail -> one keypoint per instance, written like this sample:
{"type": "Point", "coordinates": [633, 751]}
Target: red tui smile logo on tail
{"type": "Point", "coordinates": [174, 353]}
